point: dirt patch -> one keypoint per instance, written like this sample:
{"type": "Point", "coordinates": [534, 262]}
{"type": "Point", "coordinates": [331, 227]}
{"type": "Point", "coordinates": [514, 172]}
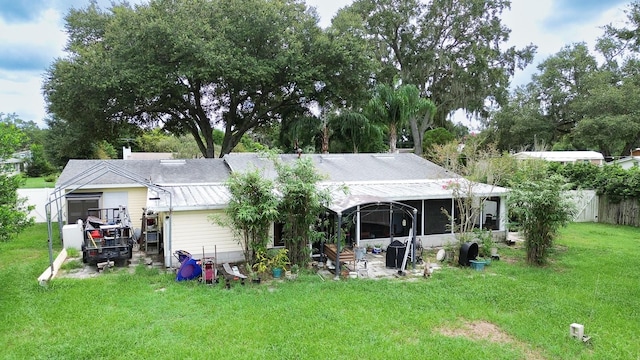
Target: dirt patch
{"type": "Point", "coordinates": [486, 331]}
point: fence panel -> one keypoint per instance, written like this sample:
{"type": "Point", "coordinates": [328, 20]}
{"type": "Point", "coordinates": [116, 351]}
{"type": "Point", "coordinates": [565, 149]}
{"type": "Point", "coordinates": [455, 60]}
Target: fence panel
{"type": "Point", "coordinates": [626, 212]}
{"type": "Point", "coordinates": [586, 204]}
{"type": "Point", "coordinates": [38, 198]}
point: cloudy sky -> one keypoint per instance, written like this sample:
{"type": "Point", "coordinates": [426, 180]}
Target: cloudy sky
{"type": "Point", "coordinates": [32, 37]}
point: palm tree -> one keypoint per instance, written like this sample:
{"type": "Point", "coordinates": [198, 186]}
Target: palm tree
{"type": "Point", "coordinates": [421, 115]}
{"type": "Point", "coordinates": [354, 127]}
{"type": "Point", "coordinates": [395, 107]}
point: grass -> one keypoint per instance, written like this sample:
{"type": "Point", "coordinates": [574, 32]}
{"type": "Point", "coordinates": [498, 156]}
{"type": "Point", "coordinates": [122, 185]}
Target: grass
{"type": "Point", "coordinates": [37, 183]}
{"type": "Point", "coordinates": [593, 278]}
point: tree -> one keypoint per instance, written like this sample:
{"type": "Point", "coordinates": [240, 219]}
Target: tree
{"type": "Point", "coordinates": [300, 206]}
{"type": "Point", "coordinates": [520, 124]}
{"type": "Point", "coordinates": [355, 129]}
{"type": "Point", "coordinates": [394, 106]}
{"type": "Point", "coordinates": [562, 81]}
{"type": "Point", "coordinates": [541, 210]}
{"type": "Point", "coordinates": [251, 211]}
{"type": "Point", "coordinates": [437, 136]}
{"type": "Point", "coordinates": [67, 140]}
{"type": "Point", "coordinates": [13, 209]}
{"type": "Point", "coordinates": [452, 50]}
{"type": "Point", "coordinates": [421, 114]}
{"type": "Point", "coordinates": [37, 165]}
{"type": "Point", "coordinates": [32, 133]}
{"type": "Point", "coordinates": [188, 65]}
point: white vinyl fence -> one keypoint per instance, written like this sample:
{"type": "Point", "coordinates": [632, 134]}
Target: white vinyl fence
{"type": "Point", "coordinates": [586, 204]}
{"type": "Point", "coordinates": [39, 198]}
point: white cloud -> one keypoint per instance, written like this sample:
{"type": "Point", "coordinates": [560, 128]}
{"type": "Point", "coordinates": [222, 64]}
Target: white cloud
{"type": "Point", "coordinates": [20, 90]}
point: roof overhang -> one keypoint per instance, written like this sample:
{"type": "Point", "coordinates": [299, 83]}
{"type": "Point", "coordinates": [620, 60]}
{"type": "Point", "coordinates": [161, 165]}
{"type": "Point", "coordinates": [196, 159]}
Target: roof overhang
{"type": "Point", "coordinates": [347, 195]}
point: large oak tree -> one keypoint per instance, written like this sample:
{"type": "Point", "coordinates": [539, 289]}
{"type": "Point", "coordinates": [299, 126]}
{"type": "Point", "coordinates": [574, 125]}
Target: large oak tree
{"type": "Point", "coordinates": [454, 51]}
{"type": "Point", "coordinates": [192, 65]}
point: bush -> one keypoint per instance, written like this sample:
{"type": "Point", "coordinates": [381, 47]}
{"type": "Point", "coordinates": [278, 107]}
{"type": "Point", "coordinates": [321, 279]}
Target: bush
{"type": "Point", "coordinates": [540, 209]}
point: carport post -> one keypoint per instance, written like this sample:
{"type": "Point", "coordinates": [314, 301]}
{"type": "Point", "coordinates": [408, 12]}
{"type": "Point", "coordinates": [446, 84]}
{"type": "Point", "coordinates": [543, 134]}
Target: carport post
{"type": "Point", "coordinates": [339, 236]}
{"type": "Point", "coordinates": [358, 226]}
{"type": "Point", "coordinates": [413, 240]}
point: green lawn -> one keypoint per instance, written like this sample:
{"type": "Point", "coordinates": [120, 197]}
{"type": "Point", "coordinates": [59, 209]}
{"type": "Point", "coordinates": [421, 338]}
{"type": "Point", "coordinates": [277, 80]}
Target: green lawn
{"type": "Point", "coordinates": [593, 279]}
{"type": "Point", "coordinates": [37, 183]}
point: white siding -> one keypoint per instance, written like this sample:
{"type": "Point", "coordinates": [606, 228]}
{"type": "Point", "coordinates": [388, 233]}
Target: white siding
{"type": "Point", "coordinates": [136, 200]}
{"type": "Point", "coordinates": [192, 230]}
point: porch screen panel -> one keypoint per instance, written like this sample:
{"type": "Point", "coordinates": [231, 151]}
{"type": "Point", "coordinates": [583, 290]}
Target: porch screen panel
{"type": "Point", "coordinates": [418, 205]}
{"type": "Point", "coordinates": [435, 221]}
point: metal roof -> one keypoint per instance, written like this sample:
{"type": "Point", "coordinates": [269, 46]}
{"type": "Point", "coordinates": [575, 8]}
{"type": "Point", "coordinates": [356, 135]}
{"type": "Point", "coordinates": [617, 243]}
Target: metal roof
{"type": "Point", "coordinates": [566, 156]}
{"type": "Point", "coordinates": [190, 197]}
{"type": "Point", "coordinates": [364, 192]}
{"type": "Point", "coordinates": [349, 167]}
{"type": "Point", "coordinates": [216, 196]}
{"type": "Point", "coordinates": [199, 184]}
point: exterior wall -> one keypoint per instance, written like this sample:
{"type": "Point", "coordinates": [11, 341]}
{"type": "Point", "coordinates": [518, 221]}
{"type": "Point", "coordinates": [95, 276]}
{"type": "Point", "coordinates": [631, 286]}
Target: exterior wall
{"type": "Point", "coordinates": [430, 241]}
{"type": "Point", "coordinates": [136, 200]}
{"type": "Point", "coordinates": [628, 163]}
{"type": "Point", "coordinates": [192, 230]}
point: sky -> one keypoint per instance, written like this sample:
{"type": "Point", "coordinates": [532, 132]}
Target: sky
{"type": "Point", "coordinates": [32, 36]}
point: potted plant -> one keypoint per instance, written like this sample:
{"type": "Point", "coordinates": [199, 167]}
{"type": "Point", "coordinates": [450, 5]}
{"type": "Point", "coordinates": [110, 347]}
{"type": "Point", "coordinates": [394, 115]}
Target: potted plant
{"type": "Point", "coordinates": [278, 261]}
{"type": "Point", "coordinates": [292, 273]}
{"type": "Point", "coordinates": [261, 266]}
{"type": "Point", "coordinates": [377, 249]}
{"type": "Point", "coordinates": [253, 275]}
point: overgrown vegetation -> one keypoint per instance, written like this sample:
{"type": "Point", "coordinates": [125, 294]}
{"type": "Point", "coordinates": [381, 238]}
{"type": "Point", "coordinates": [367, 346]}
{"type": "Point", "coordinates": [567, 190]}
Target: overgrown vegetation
{"type": "Point", "coordinates": [14, 211]}
{"type": "Point", "coordinates": [588, 281]}
{"type": "Point", "coordinates": [252, 208]}
{"type": "Point", "coordinates": [254, 205]}
{"type": "Point", "coordinates": [540, 209]}
{"type": "Point", "coordinates": [300, 206]}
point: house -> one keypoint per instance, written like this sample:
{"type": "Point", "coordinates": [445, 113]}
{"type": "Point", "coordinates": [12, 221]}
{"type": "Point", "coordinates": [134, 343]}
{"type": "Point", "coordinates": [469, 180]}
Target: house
{"type": "Point", "coordinates": [127, 154]}
{"type": "Point", "coordinates": [628, 162]}
{"type": "Point", "coordinates": [563, 157]}
{"type": "Point", "coordinates": [16, 164]}
{"type": "Point", "coordinates": [388, 195]}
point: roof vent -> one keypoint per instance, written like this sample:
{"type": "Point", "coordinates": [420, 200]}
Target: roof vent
{"type": "Point", "coordinates": [173, 162]}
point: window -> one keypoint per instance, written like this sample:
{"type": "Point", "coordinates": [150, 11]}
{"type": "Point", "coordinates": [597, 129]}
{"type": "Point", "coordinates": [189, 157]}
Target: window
{"type": "Point", "coordinates": [278, 232]}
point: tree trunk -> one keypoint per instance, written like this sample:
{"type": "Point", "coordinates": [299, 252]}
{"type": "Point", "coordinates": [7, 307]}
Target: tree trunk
{"type": "Point", "coordinates": [417, 136]}
{"type": "Point", "coordinates": [393, 138]}
{"type": "Point", "coordinates": [325, 138]}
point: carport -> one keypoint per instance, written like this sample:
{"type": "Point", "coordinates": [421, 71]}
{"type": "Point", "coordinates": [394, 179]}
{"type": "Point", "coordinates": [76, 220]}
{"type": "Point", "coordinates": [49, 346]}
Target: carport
{"type": "Point", "coordinates": [80, 181]}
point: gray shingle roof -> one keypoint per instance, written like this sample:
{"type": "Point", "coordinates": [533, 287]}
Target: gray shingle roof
{"type": "Point", "coordinates": [125, 172]}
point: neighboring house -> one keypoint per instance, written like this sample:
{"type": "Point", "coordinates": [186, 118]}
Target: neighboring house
{"type": "Point", "coordinates": [127, 154]}
{"type": "Point", "coordinates": [563, 157]}
{"type": "Point", "coordinates": [16, 163]}
{"type": "Point", "coordinates": [629, 161]}
{"type": "Point", "coordinates": [186, 193]}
